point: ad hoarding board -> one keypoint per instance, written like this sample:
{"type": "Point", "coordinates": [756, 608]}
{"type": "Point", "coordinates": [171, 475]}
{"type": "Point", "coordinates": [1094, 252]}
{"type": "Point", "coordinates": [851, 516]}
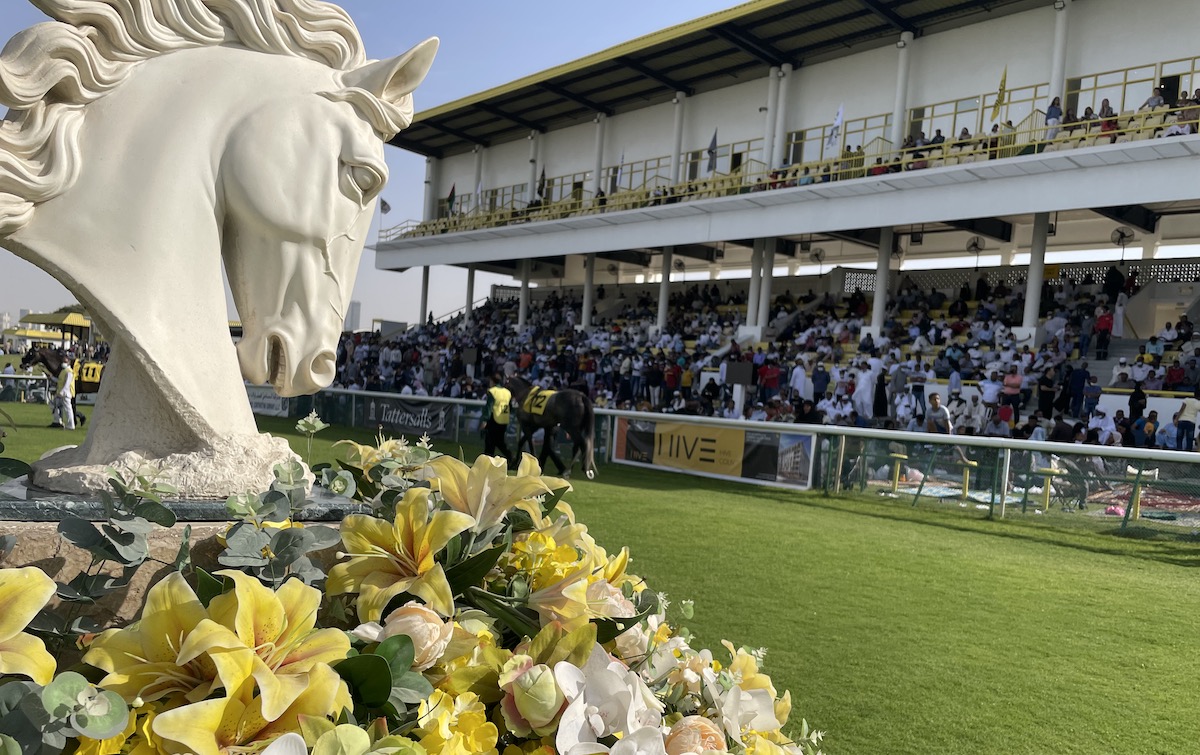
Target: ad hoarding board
{"type": "Point", "coordinates": [765, 457]}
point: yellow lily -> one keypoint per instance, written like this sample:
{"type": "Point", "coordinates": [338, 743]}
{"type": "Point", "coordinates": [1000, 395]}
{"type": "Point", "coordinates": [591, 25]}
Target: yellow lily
{"type": "Point", "coordinates": [236, 724]}
{"type": "Point", "coordinates": [485, 491]}
{"type": "Point", "coordinates": [143, 660]}
{"type": "Point", "coordinates": [24, 592]}
{"type": "Point", "coordinates": [387, 559]}
{"type": "Point", "coordinates": [279, 626]}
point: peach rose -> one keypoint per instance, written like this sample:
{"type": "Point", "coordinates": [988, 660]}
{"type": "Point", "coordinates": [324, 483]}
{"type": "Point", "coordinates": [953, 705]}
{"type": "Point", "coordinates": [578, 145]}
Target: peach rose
{"type": "Point", "coordinates": [429, 634]}
{"type": "Point", "coordinates": [693, 735]}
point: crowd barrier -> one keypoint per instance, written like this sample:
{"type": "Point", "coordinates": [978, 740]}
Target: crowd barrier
{"type": "Point", "coordinates": [1060, 481]}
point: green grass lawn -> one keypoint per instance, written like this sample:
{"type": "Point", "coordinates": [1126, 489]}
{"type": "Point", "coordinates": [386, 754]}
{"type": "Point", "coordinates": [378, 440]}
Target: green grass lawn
{"type": "Point", "coordinates": [903, 630]}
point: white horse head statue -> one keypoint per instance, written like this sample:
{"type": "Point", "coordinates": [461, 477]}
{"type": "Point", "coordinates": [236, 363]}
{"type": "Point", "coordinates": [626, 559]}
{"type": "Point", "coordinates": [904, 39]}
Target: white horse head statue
{"type": "Point", "coordinates": [146, 142]}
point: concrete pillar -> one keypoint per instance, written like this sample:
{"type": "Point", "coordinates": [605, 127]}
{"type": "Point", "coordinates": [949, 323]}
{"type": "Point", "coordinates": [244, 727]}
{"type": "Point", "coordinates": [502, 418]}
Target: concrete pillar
{"type": "Point", "coordinates": [664, 288]}
{"type": "Point", "coordinates": [598, 161]}
{"type": "Point", "coordinates": [424, 314]}
{"type": "Point", "coordinates": [477, 186]}
{"type": "Point", "coordinates": [781, 114]}
{"type": "Point", "coordinates": [677, 139]}
{"type": "Point", "coordinates": [900, 108]}
{"type": "Point", "coordinates": [431, 172]}
{"type": "Point", "coordinates": [756, 258]}
{"type": "Point", "coordinates": [764, 287]}
{"type": "Point", "coordinates": [470, 293]}
{"type": "Point", "coordinates": [589, 289]}
{"type": "Point", "coordinates": [523, 303]}
{"type": "Point", "coordinates": [1037, 271]}
{"type": "Point", "coordinates": [533, 165]}
{"type": "Point", "coordinates": [883, 271]}
{"type": "Point", "coordinates": [1150, 243]}
{"type": "Point", "coordinates": [769, 114]}
{"type": "Point", "coordinates": [1058, 61]}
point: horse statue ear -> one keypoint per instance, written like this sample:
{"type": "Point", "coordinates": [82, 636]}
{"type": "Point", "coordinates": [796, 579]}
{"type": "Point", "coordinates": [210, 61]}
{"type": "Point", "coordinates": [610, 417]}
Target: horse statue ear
{"type": "Point", "coordinates": [393, 79]}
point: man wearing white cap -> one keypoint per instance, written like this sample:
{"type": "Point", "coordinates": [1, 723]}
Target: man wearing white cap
{"type": "Point", "coordinates": [1103, 425]}
{"type": "Point", "coordinates": [1122, 366]}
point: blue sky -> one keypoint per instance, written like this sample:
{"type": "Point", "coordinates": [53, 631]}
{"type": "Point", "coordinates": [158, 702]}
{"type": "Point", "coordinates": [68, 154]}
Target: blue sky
{"type": "Point", "coordinates": [484, 44]}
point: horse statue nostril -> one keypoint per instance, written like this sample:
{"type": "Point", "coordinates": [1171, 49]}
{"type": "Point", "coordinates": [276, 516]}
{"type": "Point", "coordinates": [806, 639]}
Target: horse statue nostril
{"type": "Point", "coordinates": [324, 364]}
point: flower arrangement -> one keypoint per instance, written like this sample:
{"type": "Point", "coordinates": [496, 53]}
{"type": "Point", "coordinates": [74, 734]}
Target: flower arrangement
{"type": "Point", "coordinates": [467, 612]}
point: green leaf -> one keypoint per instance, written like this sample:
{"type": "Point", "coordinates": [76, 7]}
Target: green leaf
{"type": "Point", "coordinates": [369, 678]}
{"type": "Point", "coordinates": [411, 688]}
{"type": "Point", "coordinates": [289, 545]}
{"type": "Point", "coordinates": [62, 696]}
{"type": "Point", "coordinates": [522, 622]}
{"type": "Point", "coordinates": [322, 537]}
{"type": "Point", "coordinates": [12, 469]}
{"type": "Point", "coordinates": [83, 534]}
{"type": "Point", "coordinates": [398, 652]}
{"type": "Point", "coordinates": [551, 501]}
{"type": "Point", "coordinates": [156, 513]}
{"type": "Point", "coordinates": [104, 715]}
{"type": "Point", "coordinates": [207, 587]}
{"type": "Point", "coordinates": [183, 559]}
{"type": "Point", "coordinates": [608, 629]}
{"type": "Point", "coordinates": [470, 572]}
{"type": "Point", "coordinates": [9, 746]}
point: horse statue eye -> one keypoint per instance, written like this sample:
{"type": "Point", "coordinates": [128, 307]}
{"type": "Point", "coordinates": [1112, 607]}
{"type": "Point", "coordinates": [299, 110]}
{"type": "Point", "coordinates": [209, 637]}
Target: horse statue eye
{"type": "Point", "coordinates": [366, 179]}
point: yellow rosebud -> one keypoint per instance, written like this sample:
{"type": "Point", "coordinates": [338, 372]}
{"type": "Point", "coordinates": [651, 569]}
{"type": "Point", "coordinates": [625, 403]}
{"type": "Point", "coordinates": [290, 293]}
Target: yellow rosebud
{"type": "Point", "coordinates": [532, 700]}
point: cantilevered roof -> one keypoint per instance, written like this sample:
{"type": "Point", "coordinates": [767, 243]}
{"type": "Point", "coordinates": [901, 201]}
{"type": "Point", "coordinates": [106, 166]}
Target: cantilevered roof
{"type": "Point", "coordinates": [708, 53]}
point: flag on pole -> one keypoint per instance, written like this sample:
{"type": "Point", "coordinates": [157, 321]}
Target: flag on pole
{"type": "Point", "coordinates": [835, 132]}
{"type": "Point", "coordinates": [712, 153]}
{"type": "Point", "coordinates": [384, 207]}
{"type": "Point", "coordinates": [541, 187]}
{"type": "Point", "coordinates": [450, 201]}
{"type": "Point", "coordinates": [1000, 94]}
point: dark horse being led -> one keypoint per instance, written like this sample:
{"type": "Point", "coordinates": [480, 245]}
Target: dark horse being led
{"type": "Point", "coordinates": [540, 408]}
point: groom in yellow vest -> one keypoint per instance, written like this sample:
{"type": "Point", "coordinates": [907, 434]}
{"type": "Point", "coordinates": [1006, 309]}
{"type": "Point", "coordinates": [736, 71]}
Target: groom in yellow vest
{"type": "Point", "coordinates": [496, 414]}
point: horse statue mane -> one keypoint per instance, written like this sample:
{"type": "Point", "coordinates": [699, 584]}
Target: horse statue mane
{"type": "Point", "coordinates": [149, 141]}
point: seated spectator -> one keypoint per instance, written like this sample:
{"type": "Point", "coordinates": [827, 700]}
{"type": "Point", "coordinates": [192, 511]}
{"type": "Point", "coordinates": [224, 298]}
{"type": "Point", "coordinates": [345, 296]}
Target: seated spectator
{"type": "Point", "coordinates": [1153, 101]}
{"type": "Point", "coordinates": [1175, 377]}
{"type": "Point", "coordinates": [805, 179]}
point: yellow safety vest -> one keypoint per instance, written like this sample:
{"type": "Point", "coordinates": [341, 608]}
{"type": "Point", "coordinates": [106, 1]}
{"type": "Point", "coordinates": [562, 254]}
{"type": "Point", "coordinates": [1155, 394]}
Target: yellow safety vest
{"type": "Point", "coordinates": [501, 399]}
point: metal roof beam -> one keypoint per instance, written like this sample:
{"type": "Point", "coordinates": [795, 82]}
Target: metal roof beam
{"type": "Point", "coordinates": [887, 14]}
{"type": "Point", "coordinates": [993, 228]}
{"type": "Point", "coordinates": [868, 237]}
{"type": "Point", "coordinates": [638, 259]}
{"type": "Point", "coordinates": [456, 133]}
{"type": "Point", "coordinates": [696, 252]}
{"type": "Point", "coordinates": [653, 75]}
{"type": "Point", "coordinates": [1142, 218]}
{"type": "Point", "coordinates": [411, 146]}
{"type": "Point", "coordinates": [577, 99]}
{"type": "Point", "coordinates": [750, 44]}
{"type": "Point", "coordinates": [493, 110]}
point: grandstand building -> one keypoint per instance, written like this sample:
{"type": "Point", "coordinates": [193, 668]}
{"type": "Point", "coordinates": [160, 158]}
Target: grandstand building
{"type": "Point", "coordinates": [782, 139]}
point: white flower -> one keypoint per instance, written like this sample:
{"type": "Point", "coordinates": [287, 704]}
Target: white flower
{"type": "Point", "coordinates": [743, 710]}
{"type": "Point", "coordinates": [430, 635]}
{"type": "Point", "coordinates": [605, 697]}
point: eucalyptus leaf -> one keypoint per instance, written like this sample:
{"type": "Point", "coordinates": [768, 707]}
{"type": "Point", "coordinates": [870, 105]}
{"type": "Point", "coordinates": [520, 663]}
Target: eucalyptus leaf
{"type": "Point", "coordinates": [156, 513]}
{"type": "Point", "coordinates": [290, 544]}
{"type": "Point", "coordinates": [398, 651]}
{"type": "Point", "coordinates": [104, 715]}
{"type": "Point", "coordinates": [369, 678]}
{"type": "Point", "coordinates": [63, 695]}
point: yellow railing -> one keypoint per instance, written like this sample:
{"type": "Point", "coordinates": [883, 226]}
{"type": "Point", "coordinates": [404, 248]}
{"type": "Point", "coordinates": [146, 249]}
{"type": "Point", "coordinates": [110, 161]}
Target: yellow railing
{"type": "Point", "coordinates": [1031, 138]}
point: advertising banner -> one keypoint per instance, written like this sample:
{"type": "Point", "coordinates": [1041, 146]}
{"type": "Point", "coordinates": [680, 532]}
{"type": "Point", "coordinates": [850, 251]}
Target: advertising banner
{"type": "Point", "coordinates": [404, 417]}
{"type": "Point", "coordinates": [728, 453]}
{"type": "Point", "coordinates": [265, 401]}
